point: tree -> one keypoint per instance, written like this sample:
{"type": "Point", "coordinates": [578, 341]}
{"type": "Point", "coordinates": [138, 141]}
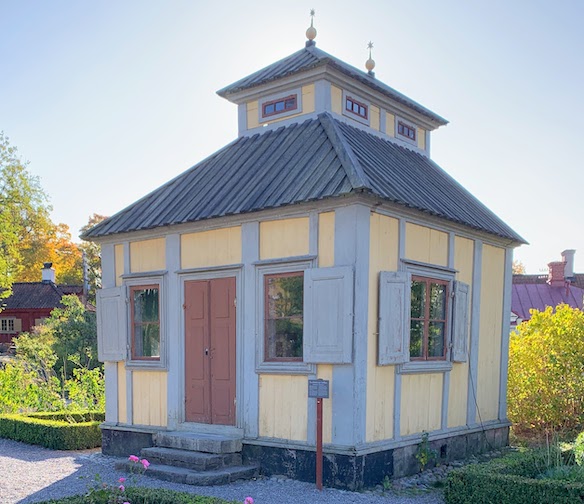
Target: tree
{"type": "Point", "coordinates": [518, 267]}
{"type": "Point", "coordinates": [546, 365]}
{"type": "Point", "coordinates": [92, 253]}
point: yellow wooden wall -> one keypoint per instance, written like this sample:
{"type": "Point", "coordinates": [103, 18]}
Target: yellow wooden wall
{"type": "Point", "coordinates": [119, 263]}
{"type": "Point", "coordinates": [390, 124]}
{"type": "Point", "coordinates": [492, 284]}
{"type": "Point", "coordinates": [308, 107]}
{"type": "Point", "coordinates": [426, 245]}
{"type": "Point", "coordinates": [374, 117]}
{"type": "Point", "coordinates": [284, 238]}
{"type": "Point", "coordinates": [122, 394]}
{"type": "Point", "coordinates": [336, 100]}
{"type": "Point", "coordinates": [283, 407]}
{"type": "Point", "coordinates": [149, 390]}
{"type": "Point", "coordinates": [458, 393]}
{"type": "Point", "coordinates": [421, 138]}
{"type": "Point", "coordinates": [421, 403]}
{"type": "Point", "coordinates": [383, 256]}
{"type": "Point", "coordinates": [211, 248]}
{"type": "Point", "coordinates": [148, 255]}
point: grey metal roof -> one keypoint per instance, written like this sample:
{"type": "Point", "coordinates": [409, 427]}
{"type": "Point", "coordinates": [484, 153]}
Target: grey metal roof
{"type": "Point", "coordinates": [312, 57]}
{"type": "Point", "coordinates": [317, 159]}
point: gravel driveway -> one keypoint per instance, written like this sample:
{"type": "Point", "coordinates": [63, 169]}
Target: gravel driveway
{"type": "Point", "coordinates": [32, 474]}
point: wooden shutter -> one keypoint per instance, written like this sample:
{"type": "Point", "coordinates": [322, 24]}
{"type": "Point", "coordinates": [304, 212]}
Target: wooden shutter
{"type": "Point", "coordinates": [394, 315]}
{"type": "Point", "coordinates": [460, 322]}
{"type": "Point", "coordinates": [328, 315]}
{"type": "Point", "coordinates": [111, 324]}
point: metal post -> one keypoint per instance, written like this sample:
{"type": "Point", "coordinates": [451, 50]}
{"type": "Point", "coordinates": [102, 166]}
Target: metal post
{"type": "Point", "coordinates": [319, 443]}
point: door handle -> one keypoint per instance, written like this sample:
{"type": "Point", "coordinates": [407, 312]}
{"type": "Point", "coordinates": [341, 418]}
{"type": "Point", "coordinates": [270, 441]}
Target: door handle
{"type": "Point", "coordinates": [206, 351]}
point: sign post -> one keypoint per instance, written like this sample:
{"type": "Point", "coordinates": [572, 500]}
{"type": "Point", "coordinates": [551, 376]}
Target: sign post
{"type": "Point", "coordinates": [318, 389]}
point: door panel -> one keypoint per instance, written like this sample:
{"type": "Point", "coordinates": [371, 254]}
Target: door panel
{"type": "Point", "coordinates": [210, 351]}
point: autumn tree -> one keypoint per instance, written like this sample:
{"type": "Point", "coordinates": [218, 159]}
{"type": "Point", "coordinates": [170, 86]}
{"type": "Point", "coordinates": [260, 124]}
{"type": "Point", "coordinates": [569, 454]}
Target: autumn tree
{"type": "Point", "coordinates": [518, 267]}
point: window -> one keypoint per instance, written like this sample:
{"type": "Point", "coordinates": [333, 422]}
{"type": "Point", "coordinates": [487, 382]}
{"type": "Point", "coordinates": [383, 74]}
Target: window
{"type": "Point", "coordinates": [7, 325]}
{"type": "Point", "coordinates": [284, 316]}
{"type": "Point", "coordinates": [355, 107]}
{"type": "Point", "coordinates": [428, 316]}
{"type": "Point", "coordinates": [145, 322]}
{"type": "Point", "coordinates": [406, 130]}
{"type": "Point", "coordinates": [280, 106]}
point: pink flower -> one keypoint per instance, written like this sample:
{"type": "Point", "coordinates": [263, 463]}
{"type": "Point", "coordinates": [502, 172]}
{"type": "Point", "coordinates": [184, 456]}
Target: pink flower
{"type": "Point", "coordinates": [145, 463]}
{"type": "Point", "coordinates": [133, 458]}
{"type": "Point", "coordinates": [122, 488]}
{"type": "Point", "coordinates": [248, 500]}
{"type": "Point", "coordinates": [126, 502]}
{"type": "Point", "coordinates": [122, 479]}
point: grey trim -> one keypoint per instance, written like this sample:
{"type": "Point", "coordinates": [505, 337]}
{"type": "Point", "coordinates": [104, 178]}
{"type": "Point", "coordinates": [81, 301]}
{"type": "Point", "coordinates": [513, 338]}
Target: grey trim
{"type": "Point", "coordinates": [421, 266]}
{"type": "Point", "coordinates": [127, 256]}
{"type": "Point", "coordinates": [505, 334]}
{"type": "Point", "coordinates": [313, 234]}
{"type": "Point", "coordinates": [250, 252]}
{"type": "Point", "coordinates": [471, 405]}
{"type": "Point", "coordinates": [383, 121]}
{"type": "Point", "coordinates": [285, 260]}
{"type": "Point", "coordinates": [206, 269]}
{"type": "Point", "coordinates": [349, 396]}
{"type": "Point", "coordinates": [313, 251]}
{"type": "Point", "coordinates": [428, 142]}
{"type": "Point", "coordinates": [144, 274]}
{"type": "Point", "coordinates": [311, 416]}
{"type": "Point", "coordinates": [322, 96]}
{"type": "Point", "coordinates": [111, 391]}
{"type": "Point", "coordinates": [397, 390]}
{"type": "Point", "coordinates": [108, 265]}
{"type": "Point", "coordinates": [414, 367]}
{"type": "Point", "coordinates": [445, 399]}
{"type": "Point", "coordinates": [241, 118]}
{"type": "Point", "coordinates": [173, 309]}
{"type": "Point", "coordinates": [129, 397]}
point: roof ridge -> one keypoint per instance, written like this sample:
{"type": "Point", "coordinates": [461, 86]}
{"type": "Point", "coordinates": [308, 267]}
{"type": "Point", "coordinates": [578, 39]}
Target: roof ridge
{"type": "Point", "coordinates": [345, 153]}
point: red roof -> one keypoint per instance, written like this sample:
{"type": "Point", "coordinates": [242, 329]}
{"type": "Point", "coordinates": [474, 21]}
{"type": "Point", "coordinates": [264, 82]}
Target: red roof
{"type": "Point", "coordinates": [34, 295]}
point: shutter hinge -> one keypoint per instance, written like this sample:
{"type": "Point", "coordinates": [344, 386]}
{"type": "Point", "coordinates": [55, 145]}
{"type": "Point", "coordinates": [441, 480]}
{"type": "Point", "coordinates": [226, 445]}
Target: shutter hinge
{"type": "Point", "coordinates": [235, 302]}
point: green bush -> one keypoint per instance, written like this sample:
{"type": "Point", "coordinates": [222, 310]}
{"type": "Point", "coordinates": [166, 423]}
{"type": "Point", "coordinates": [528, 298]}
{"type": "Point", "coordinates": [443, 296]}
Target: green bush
{"type": "Point", "coordinates": [514, 479]}
{"type": "Point", "coordinates": [144, 496]}
{"type": "Point", "coordinates": [59, 431]}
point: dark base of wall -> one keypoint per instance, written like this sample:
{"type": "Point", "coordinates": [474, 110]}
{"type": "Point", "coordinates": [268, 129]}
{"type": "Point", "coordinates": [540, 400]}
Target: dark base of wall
{"type": "Point", "coordinates": [119, 443]}
{"type": "Point", "coordinates": [362, 471]}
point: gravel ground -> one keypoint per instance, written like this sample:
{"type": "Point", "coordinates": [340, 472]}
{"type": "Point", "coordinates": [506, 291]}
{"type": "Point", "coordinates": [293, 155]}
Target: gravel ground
{"type": "Point", "coordinates": [31, 474]}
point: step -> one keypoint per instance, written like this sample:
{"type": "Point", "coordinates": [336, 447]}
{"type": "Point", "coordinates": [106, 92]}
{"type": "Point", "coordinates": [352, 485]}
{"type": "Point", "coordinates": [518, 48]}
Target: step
{"type": "Point", "coordinates": [221, 476]}
{"type": "Point", "coordinates": [197, 461]}
{"type": "Point", "coordinates": [202, 442]}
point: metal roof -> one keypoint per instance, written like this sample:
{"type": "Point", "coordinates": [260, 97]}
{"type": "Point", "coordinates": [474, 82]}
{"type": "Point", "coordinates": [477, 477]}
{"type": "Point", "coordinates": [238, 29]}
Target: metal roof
{"type": "Point", "coordinates": [312, 57]}
{"type": "Point", "coordinates": [538, 296]}
{"type": "Point", "coordinates": [317, 159]}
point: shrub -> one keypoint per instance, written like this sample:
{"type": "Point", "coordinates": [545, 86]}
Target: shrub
{"type": "Point", "coordinates": [61, 431]}
{"type": "Point", "coordinates": [546, 365]}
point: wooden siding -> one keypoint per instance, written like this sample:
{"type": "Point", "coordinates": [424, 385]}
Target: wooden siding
{"type": "Point", "coordinates": [119, 263]}
{"type": "Point", "coordinates": [383, 256]}
{"type": "Point", "coordinates": [458, 393]}
{"type": "Point", "coordinates": [325, 372]}
{"type": "Point", "coordinates": [374, 117]}
{"type": "Point", "coordinates": [147, 255]}
{"type": "Point", "coordinates": [421, 403]}
{"type": "Point", "coordinates": [421, 138]}
{"type": "Point", "coordinates": [284, 238]}
{"type": "Point", "coordinates": [252, 114]}
{"type": "Point", "coordinates": [489, 365]}
{"type": "Point", "coordinates": [336, 100]}
{"type": "Point", "coordinates": [390, 124]}
{"type": "Point", "coordinates": [149, 403]}
{"type": "Point", "coordinates": [426, 245]}
{"type": "Point", "coordinates": [283, 407]}
{"type": "Point", "coordinates": [326, 239]}
{"type": "Point", "coordinates": [211, 248]}
{"type": "Point", "coordinates": [122, 394]}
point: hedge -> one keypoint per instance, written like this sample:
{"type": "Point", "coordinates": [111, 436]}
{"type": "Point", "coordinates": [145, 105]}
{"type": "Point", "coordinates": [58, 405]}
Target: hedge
{"type": "Point", "coordinates": [138, 495]}
{"type": "Point", "coordinates": [59, 431]}
{"type": "Point", "coordinates": [510, 480]}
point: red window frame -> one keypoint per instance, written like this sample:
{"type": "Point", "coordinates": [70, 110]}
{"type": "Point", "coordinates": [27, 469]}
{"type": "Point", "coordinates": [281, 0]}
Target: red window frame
{"type": "Point", "coordinates": [285, 100]}
{"type": "Point", "coordinates": [404, 130]}
{"type": "Point", "coordinates": [133, 323]}
{"type": "Point", "coordinates": [267, 357]}
{"type": "Point", "coordinates": [426, 318]}
{"type": "Point", "coordinates": [365, 113]}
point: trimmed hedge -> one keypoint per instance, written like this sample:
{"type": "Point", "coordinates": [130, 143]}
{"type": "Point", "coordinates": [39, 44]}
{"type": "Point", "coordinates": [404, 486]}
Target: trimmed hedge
{"type": "Point", "coordinates": [137, 495]}
{"type": "Point", "coordinates": [59, 431]}
{"type": "Point", "coordinates": [510, 480]}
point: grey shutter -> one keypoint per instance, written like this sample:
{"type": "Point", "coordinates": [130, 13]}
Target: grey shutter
{"type": "Point", "coordinates": [328, 315]}
{"type": "Point", "coordinates": [460, 322]}
{"type": "Point", "coordinates": [111, 324]}
{"type": "Point", "coordinates": [394, 315]}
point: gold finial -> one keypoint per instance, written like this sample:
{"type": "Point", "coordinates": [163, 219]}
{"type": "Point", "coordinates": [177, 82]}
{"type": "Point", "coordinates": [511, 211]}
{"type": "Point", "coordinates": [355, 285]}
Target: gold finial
{"type": "Point", "coordinates": [311, 32]}
{"type": "Point", "coordinates": [370, 63]}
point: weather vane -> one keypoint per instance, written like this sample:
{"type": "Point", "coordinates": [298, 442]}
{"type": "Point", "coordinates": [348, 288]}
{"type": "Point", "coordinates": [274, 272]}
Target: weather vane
{"type": "Point", "coordinates": [311, 32]}
{"type": "Point", "coordinates": [370, 63]}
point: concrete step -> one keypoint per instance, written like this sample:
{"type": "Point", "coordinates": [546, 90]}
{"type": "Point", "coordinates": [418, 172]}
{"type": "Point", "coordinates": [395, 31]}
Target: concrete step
{"type": "Point", "coordinates": [208, 443]}
{"type": "Point", "coordinates": [197, 461]}
{"type": "Point", "coordinates": [201, 478]}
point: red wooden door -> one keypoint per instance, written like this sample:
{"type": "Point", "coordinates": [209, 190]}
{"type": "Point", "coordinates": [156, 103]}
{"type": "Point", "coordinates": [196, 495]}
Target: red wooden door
{"type": "Point", "coordinates": [210, 351]}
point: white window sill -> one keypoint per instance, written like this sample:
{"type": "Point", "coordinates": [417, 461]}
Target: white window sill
{"type": "Point", "coordinates": [286, 368]}
{"type": "Point", "coordinates": [414, 367]}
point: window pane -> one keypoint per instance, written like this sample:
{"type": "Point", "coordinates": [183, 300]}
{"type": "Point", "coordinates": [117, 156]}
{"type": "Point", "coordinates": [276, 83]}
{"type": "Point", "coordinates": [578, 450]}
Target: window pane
{"type": "Point", "coordinates": [146, 305]}
{"type": "Point", "coordinates": [146, 322]}
{"type": "Point", "coordinates": [418, 302]}
{"type": "Point", "coordinates": [349, 104]}
{"type": "Point", "coordinates": [147, 340]}
{"type": "Point", "coordinates": [269, 109]}
{"type": "Point", "coordinates": [416, 338]}
{"type": "Point", "coordinates": [284, 317]}
{"type": "Point", "coordinates": [436, 339]}
{"type": "Point", "coordinates": [437, 301]}
{"type": "Point", "coordinates": [279, 106]}
{"type": "Point", "coordinates": [290, 103]}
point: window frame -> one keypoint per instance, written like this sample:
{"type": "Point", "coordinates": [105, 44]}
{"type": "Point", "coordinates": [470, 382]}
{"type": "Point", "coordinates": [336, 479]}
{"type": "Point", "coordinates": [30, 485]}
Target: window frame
{"type": "Point", "coordinates": [278, 100]}
{"type": "Point", "coordinates": [360, 101]}
{"type": "Point", "coordinates": [349, 98]}
{"type": "Point", "coordinates": [8, 320]}
{"type": "Point", "coordinates": [278, 366]}
{"type": "Point", "coordinates": [410, 127]}
{"type": "Point", "coordinates": [275, 116]}
{"type": "Point", "coordinates": [135, 283]}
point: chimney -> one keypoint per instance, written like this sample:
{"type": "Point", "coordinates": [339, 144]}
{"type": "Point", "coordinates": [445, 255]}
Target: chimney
{"type": "Point", "coordinates": [568, 258]}
{"type": "Point", "coordinates": [48, 273]}
{"type": "Point", "coordinates": [556, 274]}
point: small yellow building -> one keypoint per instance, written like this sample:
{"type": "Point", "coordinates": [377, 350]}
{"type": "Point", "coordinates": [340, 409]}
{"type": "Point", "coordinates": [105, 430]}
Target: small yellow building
{"type": "Point", "coordinates": [322, 243]}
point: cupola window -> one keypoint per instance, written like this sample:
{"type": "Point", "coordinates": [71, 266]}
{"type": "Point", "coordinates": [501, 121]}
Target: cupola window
{"type": "Point", "coordinates": [280, 106]}
{"type": "Point", "coordinates": [406, 130]}
{"type": "Point", "coordinates": [356, 107]}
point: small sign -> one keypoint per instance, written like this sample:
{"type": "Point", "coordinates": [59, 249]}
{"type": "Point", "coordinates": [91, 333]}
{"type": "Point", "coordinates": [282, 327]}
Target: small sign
{"type": "Point", "coordinates": [318, 389]}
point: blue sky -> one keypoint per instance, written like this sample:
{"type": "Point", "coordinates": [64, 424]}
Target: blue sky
{"type": "Point", "coordinates": [109, 99]}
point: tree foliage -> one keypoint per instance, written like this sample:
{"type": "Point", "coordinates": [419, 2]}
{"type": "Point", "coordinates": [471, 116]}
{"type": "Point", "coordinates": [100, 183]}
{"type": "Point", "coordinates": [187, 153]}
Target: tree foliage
{"type": "Point", "coordinates": [546, 366]}
{"type": "Point", "coordinates": [92, 253]}
{"type": "Point", "coordinates": [518, 267]}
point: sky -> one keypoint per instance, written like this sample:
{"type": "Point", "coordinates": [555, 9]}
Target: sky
{"type": "Point", "coordinates": [108, 100]}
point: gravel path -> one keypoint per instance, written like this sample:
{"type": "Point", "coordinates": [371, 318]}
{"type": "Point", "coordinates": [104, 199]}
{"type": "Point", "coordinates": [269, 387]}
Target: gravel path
{"type": "Point", "coordinates": [31, 474]}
